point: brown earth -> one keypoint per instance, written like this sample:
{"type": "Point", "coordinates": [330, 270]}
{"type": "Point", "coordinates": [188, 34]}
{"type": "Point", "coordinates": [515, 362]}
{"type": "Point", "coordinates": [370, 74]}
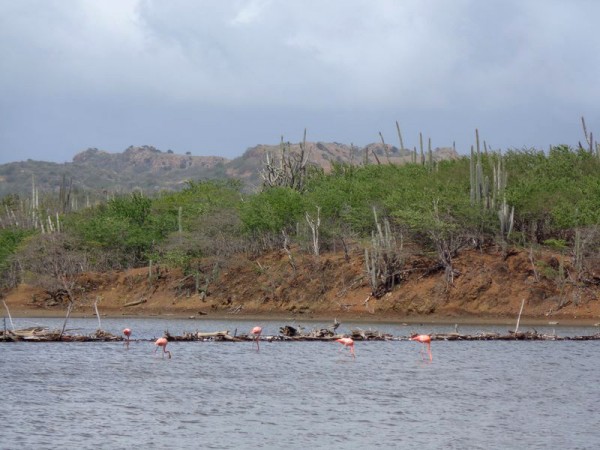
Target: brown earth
{"type": "Point", "coordinates": [486, 288]}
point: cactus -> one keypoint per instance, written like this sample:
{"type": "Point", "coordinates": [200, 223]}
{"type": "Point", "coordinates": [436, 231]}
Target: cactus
{"type": "Point", "coordinates": [484, 192]}
{"type": "Point", "coordinates": [385, 148]}
{"type": "Point", "coordinates": [506, 219]}
{"type": "Point", "coordinates": [384, 261]}
{"type": "Point", "coordinates": [314, 226]}
{"type": "Point", "coordinates": [290, 170]}
{"type": "Point", "coordinates": [400, 137]}
{"type": "Point", "coordinates": [589, 138]}
{"type": "Point", "coordinates": [429, 155]}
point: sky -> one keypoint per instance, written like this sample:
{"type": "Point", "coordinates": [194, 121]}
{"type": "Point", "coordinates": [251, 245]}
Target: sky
{"type": "Point", "coordinates": [217, 77]}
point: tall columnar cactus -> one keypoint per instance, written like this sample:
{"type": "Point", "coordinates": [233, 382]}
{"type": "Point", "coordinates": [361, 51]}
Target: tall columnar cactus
{"type": "Point", "coordinates": [592, 147]}
{"type": "Point", "coordinates": [472, 178]}
{"type": "Point", "coordinates": [477, 180]}
{"type": "Point", "coordinates": [429, 155]}
{"type": "Point", "coordinates": [500, 180]}
{"type": "Point", "coordinates": [484, 192]}
{"type": "Point", "coordinates": [315, 224]}
{"type": "Point", "coordinates": [506, 217]}
{"type": "Point", "coordinates": [384, 261]}
{"type": "Point", "coordinates": [385, 148]}
{"type": "Point", "coordinates": [400, 137]}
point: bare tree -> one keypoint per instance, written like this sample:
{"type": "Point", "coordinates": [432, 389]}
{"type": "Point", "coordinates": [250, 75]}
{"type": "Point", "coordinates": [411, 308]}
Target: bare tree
{"type": "Point", "coordinates": [449, 238]}
{"type": "Point", "coordinates": [54, 262]}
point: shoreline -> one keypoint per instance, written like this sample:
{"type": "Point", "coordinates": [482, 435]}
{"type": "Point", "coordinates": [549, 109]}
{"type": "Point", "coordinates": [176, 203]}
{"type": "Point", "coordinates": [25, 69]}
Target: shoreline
{"type": "Point", "coordinates": [19, 313]}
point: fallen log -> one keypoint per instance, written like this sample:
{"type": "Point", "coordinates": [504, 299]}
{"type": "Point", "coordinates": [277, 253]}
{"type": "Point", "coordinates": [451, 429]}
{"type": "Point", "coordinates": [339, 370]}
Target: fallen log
{"type": "Point", "coordinates": [212, 334]}
{"type": "Point", "coordinates": [135, 303]}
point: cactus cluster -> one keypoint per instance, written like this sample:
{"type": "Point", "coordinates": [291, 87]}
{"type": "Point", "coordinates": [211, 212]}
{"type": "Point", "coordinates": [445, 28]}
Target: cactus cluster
{"type": "Point", "coordinates": [487, 194]}
{"type": "Point", "coordinates": [384, 261]}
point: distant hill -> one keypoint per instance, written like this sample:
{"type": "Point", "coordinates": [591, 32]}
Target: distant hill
{"type": "Point", "coordinates": [149, 169]}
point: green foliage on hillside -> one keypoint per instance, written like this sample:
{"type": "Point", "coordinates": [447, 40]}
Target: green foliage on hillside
{"type": "Point", "coordinates": [10, 239]}
{"type": "Point", "coordinates": [125, 227]}
{"type": "Point", "coordinates": [555, 195]}
{"type": "Point", "coordinates": [554, 192]}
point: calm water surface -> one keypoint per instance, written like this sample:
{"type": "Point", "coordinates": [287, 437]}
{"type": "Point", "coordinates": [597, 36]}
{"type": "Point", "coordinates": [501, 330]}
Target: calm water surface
{"type": "Point", "coordinates": [300, 395]}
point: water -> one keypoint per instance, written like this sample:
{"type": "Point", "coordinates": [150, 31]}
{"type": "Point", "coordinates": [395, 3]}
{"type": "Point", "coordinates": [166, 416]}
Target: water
{"type": "Point", "coordinates": [297, 395]}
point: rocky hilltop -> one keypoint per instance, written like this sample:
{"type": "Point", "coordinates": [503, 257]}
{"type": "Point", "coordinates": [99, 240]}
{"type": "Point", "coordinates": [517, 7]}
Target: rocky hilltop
{"type": "Point", "coordinates": [150, 169]}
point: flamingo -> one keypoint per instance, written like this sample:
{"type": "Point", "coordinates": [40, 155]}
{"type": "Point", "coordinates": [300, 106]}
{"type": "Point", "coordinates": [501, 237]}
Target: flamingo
{"type": "Point", "coordinates": [349, 343]}
{"type": "Point", "coordinates": [425, 339]}
{"type": "Point", "coordinates": [127, 333]}
{"type": "Point", "coordinates": [256, 332]}
{"type": "Point", "coordinates": [162, 342]}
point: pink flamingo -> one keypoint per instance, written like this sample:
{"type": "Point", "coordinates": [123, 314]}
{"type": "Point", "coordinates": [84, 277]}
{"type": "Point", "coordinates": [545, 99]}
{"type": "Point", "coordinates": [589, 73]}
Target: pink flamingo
{"type": "Point", "coordinates": [162, 342]}
{"type": "Point", "coordinates": [127, 333]}
{"type": "Point", "coordinates": [256, 332]}
{"type": "Point", "coordinates": [347, 343]}
{"type": "Point", "coordinates": [425, 339]}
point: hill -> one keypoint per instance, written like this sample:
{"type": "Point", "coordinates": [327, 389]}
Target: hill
{"type": "Point", "coordinates": [151, 170]}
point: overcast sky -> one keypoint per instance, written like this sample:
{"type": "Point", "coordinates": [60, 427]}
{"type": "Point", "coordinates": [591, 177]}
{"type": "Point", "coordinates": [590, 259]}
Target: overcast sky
{"type": "Point", "coordinates": [216, 77]}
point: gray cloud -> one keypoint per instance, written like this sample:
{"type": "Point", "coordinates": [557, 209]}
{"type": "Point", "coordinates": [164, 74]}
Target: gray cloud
{"type": "Point", "coordinates": [216, 77]}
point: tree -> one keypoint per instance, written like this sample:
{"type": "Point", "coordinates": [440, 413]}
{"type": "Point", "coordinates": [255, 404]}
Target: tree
{"type": "Point", "coordinates": [125, 227]}
{"type": "Point", "coordinates": [272, 210]}
{"type": "Point", "coordinates": [53, 262]}
{"type": "Point", "coordinates": [10, 241]}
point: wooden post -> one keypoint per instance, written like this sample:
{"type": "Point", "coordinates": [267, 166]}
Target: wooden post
{"type": "Point", "coordinates": [519, 318]}
{"type": "Point", "coordinates": [69, 309]}
{"type": "Point", "coordinates": [97, 313]}
{"type": "Point", "coordinates": [9, 316]}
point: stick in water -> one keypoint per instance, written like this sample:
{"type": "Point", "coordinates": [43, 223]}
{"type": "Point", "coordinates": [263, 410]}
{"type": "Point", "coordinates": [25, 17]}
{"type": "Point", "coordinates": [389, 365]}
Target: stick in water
{"type": "Point", "coordinates": [97, 313]}
{"type": "Point", "coordinates": [9, 317]}
{"type": "Point", "coordinates": [66, 318]}
{"type": "Point", "coordinates": [519, 318]}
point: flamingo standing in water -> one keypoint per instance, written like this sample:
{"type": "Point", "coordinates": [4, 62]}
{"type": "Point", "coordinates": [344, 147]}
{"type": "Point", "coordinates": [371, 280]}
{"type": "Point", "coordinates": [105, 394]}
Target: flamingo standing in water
{"type": "Point", "coordinates": [425, 339]}
{"type": "Point", "coordinates": [256, 332]}
{"type": "Point", "coordinates": [347, 343]}
{"type": "Point", "coordinates": [162, 342]}
{"type": "Point", "coordinates": [127, 333]}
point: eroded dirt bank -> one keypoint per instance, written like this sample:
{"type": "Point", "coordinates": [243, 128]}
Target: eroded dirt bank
{"type": "Point", "coordinates": [486, 288]}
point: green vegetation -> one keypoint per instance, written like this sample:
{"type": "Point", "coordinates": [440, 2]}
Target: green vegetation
{"type": "Point", "coordinates": [525, 198]}
{"type": "Point", "coordinates": [10, 239]}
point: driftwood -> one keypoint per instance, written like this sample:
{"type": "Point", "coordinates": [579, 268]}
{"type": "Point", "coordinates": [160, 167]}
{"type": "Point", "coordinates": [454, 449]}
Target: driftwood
{"type": "Point", "coordinates": [199, 336]}
{"type": "Point", "coordinates": [42, 334]}
{"type": "Point", "coordinates": [286, 334]}
{"type": "Point", "coordinates": [134, 303]}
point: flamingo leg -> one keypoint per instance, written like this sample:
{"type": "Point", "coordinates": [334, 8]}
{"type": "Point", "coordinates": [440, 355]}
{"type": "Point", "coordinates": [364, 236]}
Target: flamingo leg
{"type": "Point", "coordinates": [424, 353]}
